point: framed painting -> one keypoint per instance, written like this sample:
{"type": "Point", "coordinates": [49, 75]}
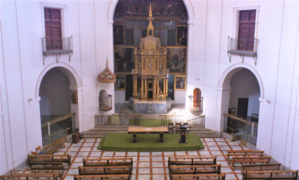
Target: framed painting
{"type": "Point", "coordinates": [180, 82]}
{"type": "Point", "coordinates": [120, 83]}
{"type": "Point", "coordinates": [176, 60]}
{"type": "Point", "coordinates": [123, 59]}
{"type": "Point", "coordinates": [182, 35]}
{"type": "Point", "coordinates": [118, 35]}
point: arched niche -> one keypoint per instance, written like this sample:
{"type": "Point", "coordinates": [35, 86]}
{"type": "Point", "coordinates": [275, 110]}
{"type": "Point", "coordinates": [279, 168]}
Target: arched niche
{"type": "Point", "coordinates": [105, 101]}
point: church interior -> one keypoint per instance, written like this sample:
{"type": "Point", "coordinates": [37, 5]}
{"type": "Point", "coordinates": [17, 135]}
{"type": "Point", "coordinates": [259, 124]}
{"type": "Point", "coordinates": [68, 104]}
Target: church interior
{"type": "Point", "coordinates": [149, 89]}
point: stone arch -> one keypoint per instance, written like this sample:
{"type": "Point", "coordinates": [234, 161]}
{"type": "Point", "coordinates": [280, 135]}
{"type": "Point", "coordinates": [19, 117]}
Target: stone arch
{"type": "Point", "coordinates": [113, 3]}
{"type": "Point", "coordinates": [232, 70]}
{"type": "Point", "coordinates": [71, 73]}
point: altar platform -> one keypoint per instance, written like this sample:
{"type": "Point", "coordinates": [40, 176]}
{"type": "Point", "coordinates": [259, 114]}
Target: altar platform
{"type": "Point", "coordinates": [150, 107]}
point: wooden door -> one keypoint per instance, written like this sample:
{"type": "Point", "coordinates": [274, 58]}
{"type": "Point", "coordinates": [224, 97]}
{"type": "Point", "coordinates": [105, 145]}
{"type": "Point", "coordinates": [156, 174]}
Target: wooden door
{"type": "Point", "coordinates": [242, 107]}
{"type": "Point", "coordinates": [197, 98]}
{"type": "Point", "coordinates": [53, 29]}
{"type": "Point", "coordinates": [246, 30]}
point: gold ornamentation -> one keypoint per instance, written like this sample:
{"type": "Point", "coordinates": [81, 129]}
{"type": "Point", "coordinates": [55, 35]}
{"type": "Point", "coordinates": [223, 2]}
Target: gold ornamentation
{"type": "Point", "coordinates": [106, 76]}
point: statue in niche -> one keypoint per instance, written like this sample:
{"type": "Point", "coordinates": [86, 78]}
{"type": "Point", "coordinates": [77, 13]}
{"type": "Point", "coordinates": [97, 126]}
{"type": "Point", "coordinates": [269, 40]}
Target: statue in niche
{"type": "Point", "coordinates": [150, 65]}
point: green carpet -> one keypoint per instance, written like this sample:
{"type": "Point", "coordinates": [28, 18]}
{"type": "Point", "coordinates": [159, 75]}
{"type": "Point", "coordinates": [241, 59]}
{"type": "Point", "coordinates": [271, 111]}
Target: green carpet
{"type": "Point", "coordinates": [153, 122]}
{"type": "Point", "coordinates": [150, 123]}
{"type": "Point", "coordinates": [149, 143]}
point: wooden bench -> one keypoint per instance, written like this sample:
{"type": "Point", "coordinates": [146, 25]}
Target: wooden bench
{"type": "Point", "coordinates": [54, 146]}
{"type": "Point", "coordinates": [185, 160]}
{"type": "Point", "coordinates": [243, 153]}
{"type": "Point", "coordinates": [260, 167]}
{"type": "Point", "coordinates": [264, 159]}
{"type": "Point", "coordinates": [108, 162]}
{"type": "Point", "coordinates": [195, 169]}
{"type": "Point", "coordinates": [197, 176]}
{"type": "Point", "coordinates": [270, 175]}
{"type": "Point", "coordinates": [36, 172]}
{"type": "Point", "coordinates": [49, 158]}
{"type": "Point", "coordinates": [49, 166]}
{"type": "Point", "coordinates": [48, 162]}
{"type": "Point", "coordinates": [101, 177]}
{"type": "Point", "coordinates": [31, 176]}
{"type": "Point", "coordinates": [98, 170]}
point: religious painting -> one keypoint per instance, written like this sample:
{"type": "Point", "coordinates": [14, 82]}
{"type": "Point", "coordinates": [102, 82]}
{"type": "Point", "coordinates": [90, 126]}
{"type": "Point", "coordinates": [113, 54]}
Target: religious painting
{"type": "Point", "coordinates": [118, 34]}
{"type": "Point", "coordinates": [74, 97]}
{"type": "Point", "coordinates": [120, 83]}
{"type": "Point", "coordinates": [182, 35]}
{"type": "Point", "coordinates": [160, 8]}
{"type": "Point", "coordinates": [176, 60]}
{"type": "Point", "coordinates": [124, 60]}
{"type": "Point", "coordinates": [180, 82]}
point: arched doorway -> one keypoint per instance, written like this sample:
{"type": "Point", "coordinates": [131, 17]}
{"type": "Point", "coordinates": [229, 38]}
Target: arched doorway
{"type": "Point", "coordinates": [241, 89]}
{"type": "Point", "coordinates": [58, 104]}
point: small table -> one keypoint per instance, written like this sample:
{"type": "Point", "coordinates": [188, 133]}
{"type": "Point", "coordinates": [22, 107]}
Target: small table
{"type": "Point", "coordinates": [147, 130]}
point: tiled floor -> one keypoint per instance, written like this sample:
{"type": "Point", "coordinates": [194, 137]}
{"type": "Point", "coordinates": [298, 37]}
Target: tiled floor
{"type": "Point", "coordinates": [151, 165]}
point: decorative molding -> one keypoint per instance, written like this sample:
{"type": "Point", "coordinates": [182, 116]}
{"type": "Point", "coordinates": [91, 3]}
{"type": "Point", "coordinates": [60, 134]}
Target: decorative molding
{"type": "Point", "coordinates": [236, 18]}
{"type": "Point", "coordinates": [36, 99]}
{"type": "Point", "coordinates": [264, 100]}
{"type": "Point", "coordinates": [64, 21]}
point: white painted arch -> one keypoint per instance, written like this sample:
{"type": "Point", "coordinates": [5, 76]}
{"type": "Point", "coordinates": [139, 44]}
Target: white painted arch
{"type": "Point", "coordinates": [233, 69]}
{"type": "Point", "coordinates": [70, 71]}
{"type": "Point", "coordinates": [113, 3]}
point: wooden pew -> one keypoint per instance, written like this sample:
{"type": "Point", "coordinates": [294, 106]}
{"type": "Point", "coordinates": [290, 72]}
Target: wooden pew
{"type": "Point", "coordinates": [270, 175]}
{"type": "Point", "coordinates": [260, 167]}
{"type": "Point", "coordinates": [195, 169]}
{"type": "Point", "coordinates": [98, 170]}
{"type": "Point", "coordinates": [36, 172]}
{"type": "Point", "coordinates": [48, 166]}
{"type": "Point", "coordinates": [101, 177]}
{"type": "Point", "coordinates": [54, 146]}
{"type": "Point", "coordinates": [264, 159]}
{"type": "Point", "coordinates": [108, 162]}
{"type": "Point", "coordinates": [243, 153]}
{"type": "Point", "coordinates": [185, 160]}
{"type": "Point", "coordinates": [43, 159]}
{"type": "Point", "coordinates": [30, 176]}
{"type": "Point", "coordinates": [197, 176]}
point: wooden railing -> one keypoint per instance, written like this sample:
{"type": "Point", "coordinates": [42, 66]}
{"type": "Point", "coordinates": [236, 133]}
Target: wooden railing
{"type": "Point", "coordinates": [118, 120]}
{"type": "Point", "coordinates": [235, 125]}
{"type": "Point", "coordinates": [192, 120]}
{"type": "Point", "coordinates": [58, 128]}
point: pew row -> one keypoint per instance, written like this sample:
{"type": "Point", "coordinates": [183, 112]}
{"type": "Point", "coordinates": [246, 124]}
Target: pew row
{"type": "Point", "coordinates": [30, 176]}
{"type": "Point", "coordinates": [101, 177]}
{"type": "Point", "coordinates": [185, 160]}
{"type": "Point", "coordinates": [197, 177]}
{"type": "Point", "coordinates": [99, 170]}
{"type": "Point", "coordinates": [195, 169]}
{"type": "Point", "coordinates": [243, 153]}
{"type": "Point", "coordinates": [44, 159]}
{"type": "Point", "coordinates": [36, 172]}
{"type": "Point", "coordinates": [270, 175]}
{"type": "Point", "coordinates": [108, 162]}
{"type": "Point", "coordinates": [264, 159]}
{"type": "Point", "coordinates": [260, 167]}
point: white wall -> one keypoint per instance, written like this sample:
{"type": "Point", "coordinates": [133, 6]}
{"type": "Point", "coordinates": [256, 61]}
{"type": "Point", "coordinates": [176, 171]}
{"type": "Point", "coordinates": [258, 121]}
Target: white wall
{"type": "Point", "coordinates": [55, 94]}
{"type": "Point", "coordinates": [244, 85]}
